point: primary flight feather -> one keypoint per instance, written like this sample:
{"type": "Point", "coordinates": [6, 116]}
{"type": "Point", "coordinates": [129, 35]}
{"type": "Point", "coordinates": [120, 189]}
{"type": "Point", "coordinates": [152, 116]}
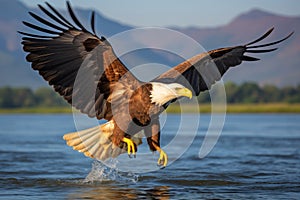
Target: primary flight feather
{"type": "Point", "coordinates": [86, 72]}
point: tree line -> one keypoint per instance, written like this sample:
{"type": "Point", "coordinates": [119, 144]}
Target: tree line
{"type": "Point", "coordinates": [27, 98]}
{"type": "Point", "coordinates": [236, 93]}
{"type": "Point", "coordinates": [250, 92]}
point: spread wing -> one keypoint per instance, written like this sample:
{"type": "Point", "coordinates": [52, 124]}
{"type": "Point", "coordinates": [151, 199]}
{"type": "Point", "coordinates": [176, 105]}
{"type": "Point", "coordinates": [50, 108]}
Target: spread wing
{"type": "Point", "coordinates": [200, 72]}
{"type": "Point", "coordinates": [80, 66]}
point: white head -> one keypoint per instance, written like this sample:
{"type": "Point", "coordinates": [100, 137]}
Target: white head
{"type": "Point", "coordinates": [162, 93]}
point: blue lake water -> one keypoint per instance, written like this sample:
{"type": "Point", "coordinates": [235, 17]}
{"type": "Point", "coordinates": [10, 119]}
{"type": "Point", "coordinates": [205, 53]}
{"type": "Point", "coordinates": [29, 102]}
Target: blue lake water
{"type": "Point", "coordinates": [256, 157]}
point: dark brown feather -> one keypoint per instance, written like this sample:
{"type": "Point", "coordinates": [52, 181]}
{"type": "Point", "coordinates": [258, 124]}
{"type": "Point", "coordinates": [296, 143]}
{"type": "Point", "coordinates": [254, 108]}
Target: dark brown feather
{"type": "Point", "coordinates": [54, 18]}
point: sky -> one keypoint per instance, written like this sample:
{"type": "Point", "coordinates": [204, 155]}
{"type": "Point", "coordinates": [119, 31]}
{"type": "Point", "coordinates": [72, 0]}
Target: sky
{"type": "Point", "coordinates": [182, 13]}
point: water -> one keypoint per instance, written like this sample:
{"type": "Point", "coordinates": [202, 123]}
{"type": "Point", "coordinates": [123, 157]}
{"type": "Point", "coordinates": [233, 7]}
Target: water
{"type": "Point", "coordinates": [256, 157]}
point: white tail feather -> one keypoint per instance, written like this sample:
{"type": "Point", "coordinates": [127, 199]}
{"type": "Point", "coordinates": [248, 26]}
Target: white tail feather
{"type": "Point", "coordinates": [96, 143]}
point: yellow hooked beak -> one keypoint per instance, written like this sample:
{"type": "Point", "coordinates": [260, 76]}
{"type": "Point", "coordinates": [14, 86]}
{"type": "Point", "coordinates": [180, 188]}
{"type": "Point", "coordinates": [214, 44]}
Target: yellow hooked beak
{"type": "Point", "coordinates": [184, 92]}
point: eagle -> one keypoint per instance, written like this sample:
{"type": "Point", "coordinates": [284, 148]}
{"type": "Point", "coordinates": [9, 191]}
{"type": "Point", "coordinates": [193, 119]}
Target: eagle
{"type": "Point", "coordinates": [84, 69]}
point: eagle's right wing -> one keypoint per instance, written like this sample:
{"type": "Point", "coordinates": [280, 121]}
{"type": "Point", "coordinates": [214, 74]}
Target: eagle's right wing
{"type": "Point", "coordinates": [200, 72]}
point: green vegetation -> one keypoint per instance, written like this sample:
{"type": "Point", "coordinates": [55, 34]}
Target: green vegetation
{"type": "Point", "coordinates": [252, 93]}
{"type": "Point", "coordinates": [12, 98]}
{"type": "Point", "coordinates": [244, 98]}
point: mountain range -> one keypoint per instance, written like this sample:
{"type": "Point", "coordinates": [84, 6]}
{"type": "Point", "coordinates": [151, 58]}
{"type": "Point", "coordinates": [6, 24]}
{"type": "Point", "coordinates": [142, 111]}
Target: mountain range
{"type": "Point", "coordinates": [279, 68]}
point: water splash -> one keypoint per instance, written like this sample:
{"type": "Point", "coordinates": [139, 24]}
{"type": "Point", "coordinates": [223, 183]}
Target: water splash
{"type": "Point", "coordinates": [101, 173]}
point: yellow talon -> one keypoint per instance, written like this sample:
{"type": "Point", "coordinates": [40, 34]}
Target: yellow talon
{"type": "Point", "coordinates": [163, 158]}
{"type": "Point", "coordinates": [130, 146]}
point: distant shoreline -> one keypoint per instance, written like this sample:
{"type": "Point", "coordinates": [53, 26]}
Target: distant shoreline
{"type": "Point", "coordinates": [241, 108]}
{"type": "Point", "coordinates": [186, 108]}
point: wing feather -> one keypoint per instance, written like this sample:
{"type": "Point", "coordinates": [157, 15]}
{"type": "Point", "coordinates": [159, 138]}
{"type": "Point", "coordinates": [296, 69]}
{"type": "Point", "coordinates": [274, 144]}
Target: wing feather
{"type": "Point", "coordinates": [59, 15]}
{"type": "Point", "coordinates": [42, 20]}
{"type": "Point", "coordinates": [40, 28]}
{"type": "Point", "coordinates": [75, 19]}
{"type": "Point", "coordinates": [54, 18]}
{"type": "Point", "coordinates": [93, 22]}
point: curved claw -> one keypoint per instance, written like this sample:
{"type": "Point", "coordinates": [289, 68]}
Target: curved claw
{"type": "Point", "coordinates": [163, 159]}
{"type": "Point", "coordinates": [130, 147]}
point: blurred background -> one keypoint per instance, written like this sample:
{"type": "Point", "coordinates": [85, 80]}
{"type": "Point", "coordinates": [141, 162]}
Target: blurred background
{"type": "Point", "coordinates": [274, 79]}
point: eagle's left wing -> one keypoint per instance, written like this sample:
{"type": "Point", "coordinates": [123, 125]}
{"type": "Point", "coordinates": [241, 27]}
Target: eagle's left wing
{"type": "Point", "coordinates": [200, 72]}
{"type": "Point", "coordinates": [80, 66]}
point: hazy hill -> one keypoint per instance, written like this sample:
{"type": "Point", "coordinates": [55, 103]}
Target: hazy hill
{"type": "Point", "coordinates": [280, 68]}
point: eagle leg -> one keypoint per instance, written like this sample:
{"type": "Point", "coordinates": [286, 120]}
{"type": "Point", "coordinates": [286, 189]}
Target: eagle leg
{"type": "Point", "coordinates": [163, 158]}
{"type": "Point", "coordinates": [153, 142]}
{"type": "Point", "coordinates": [130, 147]}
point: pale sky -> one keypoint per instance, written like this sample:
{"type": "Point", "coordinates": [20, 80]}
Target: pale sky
{"type": "Point", "coordinates": [180, 13]}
